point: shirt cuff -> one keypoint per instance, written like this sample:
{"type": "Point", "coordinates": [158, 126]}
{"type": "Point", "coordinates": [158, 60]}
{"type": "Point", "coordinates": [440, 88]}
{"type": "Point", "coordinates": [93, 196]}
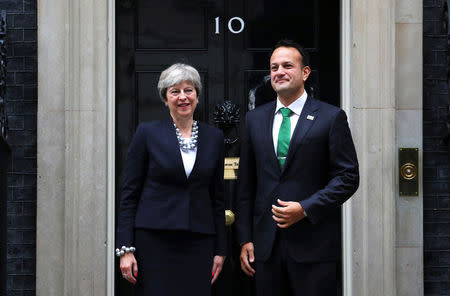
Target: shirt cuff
{"type": "Point", "coordinates": [304, 211]}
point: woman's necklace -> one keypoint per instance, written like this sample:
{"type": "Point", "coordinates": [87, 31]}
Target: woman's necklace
{"type": "Point", "coordinates": [190, 143]}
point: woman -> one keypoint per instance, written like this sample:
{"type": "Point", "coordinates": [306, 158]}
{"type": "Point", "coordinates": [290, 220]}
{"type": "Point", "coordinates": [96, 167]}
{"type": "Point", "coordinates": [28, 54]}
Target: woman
{"type": "Point", "coordinates": [171, 221]}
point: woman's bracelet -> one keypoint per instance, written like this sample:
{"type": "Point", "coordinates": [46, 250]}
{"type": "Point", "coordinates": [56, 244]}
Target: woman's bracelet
{"type": "Point", "coordinates": [124, 250]}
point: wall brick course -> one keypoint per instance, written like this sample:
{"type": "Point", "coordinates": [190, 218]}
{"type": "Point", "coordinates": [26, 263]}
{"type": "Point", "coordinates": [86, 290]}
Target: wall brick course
{"type": "Point", "coordinates": [432, 129]}
{"type": "Point", "coordinates": [435, 158]}
{"type": "Point", "coordinates": [428, 57]}
{"type": "Point", "coordinates": [23, 282]}
{"type": "Point", "coordinates": [429, 3]}
{"type": "Point", "coordinates": [432, 288]}
{"type": "Point", "coordinates": [25, 165]}
{"type": "Point", "coordinates": [26, 78]}
{"type": "Point", "coordinates": [443, 173]}
{"type": "Point", "coordinates": [436, 243]}
{"type": "Point", "coordinates": [25, 20]}
{"type": "Point", "coordinates": [15, 265]}
{"type": "Point", "coordinates": [22, 138]}
{"type": "Point", "coordinates": [15, 35]}
{"type": "Point", "coordinates": [445, 288]}
{"type": "Point", "coordinates": [30, 92]}
{"type": "Point", "coordinates": [28, 266]}
{"type": "Point", "coordinates": [25, 108]}
{"type": "Point", "coordinates": [441, 57]}
{"type": "Point", "coordinates": [30, 64]}
{"type": "Point", "coordinates": [434, 71]}
{"type": "Point", "coordinates": [434, 98]}
{"type": "Point", "coordinates": [436, 215]}
{"type": "Point", "coordinates": [14, 237]}
{"type": "Point", "coordinates": [11, 6]}
{"type": "Point", "coordinates": [14, 292]}
{"type": "Point", "coordinates": [29, 35]}
{"type": "Point", "coordinates": [437, 187]}
{"type": "Point", "coordinates": [24, 193]}
{"type": "Point", "coordinates": [14, 208]}
{"type": "Point", "coordinates": [25, 49]}
{"type": "Point", "coordinates": [30, 5]}
{"type": "Point", "coordinates": [10, 79]}
{"type": "Point", "coordinates": [22, 251]}
{"type": "Point", "coordinates": [14, 93]}
{"type": "Point", "coordinates": [430, 203]}
{"type": "Point", "coordinates": [432, 13]}
{"type": "Point", "coordinates": [444, 257]}
{"type": "Point", "coordinates": [10, 193]}
{"type": "Point", "coordinates": [29, 236]}
{"type": "Point", "coordinates": [429, 28]}
{"type": "Point", "coordinates": [436, 154]}
{"type": "Point", "coordinates": [429, 173]}
{"type": "Point", "coordinates": [437, 229]}
{"type": "Point", "coordinates": [15, 64]}
{"type": "Point", "coordinates": [29, 179]}
{"type": "Point", "coordinates": [29, 208]}
{"type": "Point", "coordinates": [436, 274]}
{"type": "Point", "coordinates": [434, 42]}
{"type": "Point", "coordinates": [16, 122]}
{"type": "Point", "coordinates": [21, 222]}
{"type": "Point", "coordinates": [15, 179]}
{"type": "Point", "coordinates": [444, 201]}
{"type": "Point", "coordinates": [30, 123]}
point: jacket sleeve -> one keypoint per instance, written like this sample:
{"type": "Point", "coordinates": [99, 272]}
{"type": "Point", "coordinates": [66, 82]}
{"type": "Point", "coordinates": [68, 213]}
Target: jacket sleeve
{"type": "Point", "coordinates": [218, 198]}
{"type": "Point", "coordinates": [135, 173]}
{"type": "Point", "coordinates": [343, 172]}
{"type": "Point", "coordinates": [246, 188]}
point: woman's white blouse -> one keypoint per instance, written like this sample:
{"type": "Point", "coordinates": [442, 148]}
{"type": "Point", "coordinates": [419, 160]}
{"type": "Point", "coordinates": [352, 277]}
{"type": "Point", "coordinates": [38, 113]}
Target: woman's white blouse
{"type": "Point", "coordinates": [188, 159]}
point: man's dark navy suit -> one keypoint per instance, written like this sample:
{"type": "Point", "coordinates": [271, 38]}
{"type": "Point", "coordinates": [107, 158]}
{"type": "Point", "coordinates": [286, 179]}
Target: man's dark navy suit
{"type": "Point", "coordinates": [158, 195]}
{"type": "Point", "coordinates": [321, 172]}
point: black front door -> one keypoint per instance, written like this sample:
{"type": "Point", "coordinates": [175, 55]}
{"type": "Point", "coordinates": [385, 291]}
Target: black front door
{"type": "Point", "coordinates": [229, 42]}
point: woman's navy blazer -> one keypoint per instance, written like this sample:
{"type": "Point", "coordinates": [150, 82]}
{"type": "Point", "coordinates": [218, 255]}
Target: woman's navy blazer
{"type": "Point", "coordinates": [157, 194]}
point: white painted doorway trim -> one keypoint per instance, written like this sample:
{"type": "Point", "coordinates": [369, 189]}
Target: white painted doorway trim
{"type": "Point", "coordinates": [347, 240]}
{"type": "Point", "coordinates": [345, 19]}
{"type": "Point", "coordinates": [111, 127]}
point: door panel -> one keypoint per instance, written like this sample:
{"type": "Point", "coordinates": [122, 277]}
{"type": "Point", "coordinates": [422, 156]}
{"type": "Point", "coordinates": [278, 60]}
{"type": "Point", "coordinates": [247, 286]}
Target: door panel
{"type": "Point", "coordinates": [169, 24]}
{"type": "Point", "coordinates": [229, 42]}
{"type": "Point", "coordinates": [293, 19]}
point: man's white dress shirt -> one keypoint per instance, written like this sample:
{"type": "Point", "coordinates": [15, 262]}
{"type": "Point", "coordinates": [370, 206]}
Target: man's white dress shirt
{"type": "Point", "coordinates": [296, 107]}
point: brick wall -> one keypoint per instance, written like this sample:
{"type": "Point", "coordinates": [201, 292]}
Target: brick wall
{"type": "Point", "coordinates": [436, 151]}
{"type": "Point", "coordinates": [21, 108]}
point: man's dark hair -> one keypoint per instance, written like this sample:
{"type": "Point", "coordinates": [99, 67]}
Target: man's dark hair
{"type": "Point", "coordinates": [293, 44]}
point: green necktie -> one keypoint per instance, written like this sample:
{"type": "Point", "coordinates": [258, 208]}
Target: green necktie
{"type": "Point", "coordinates": [284, 136]}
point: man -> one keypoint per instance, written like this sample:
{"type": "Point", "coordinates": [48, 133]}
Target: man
{"type": "Point", "coordinates": [297, 166]}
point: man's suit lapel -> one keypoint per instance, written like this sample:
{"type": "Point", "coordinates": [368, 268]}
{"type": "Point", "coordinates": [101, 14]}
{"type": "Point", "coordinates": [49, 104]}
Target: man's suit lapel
{"type": "Point", "coordinates": [268, 137]}
{"type": "Point", "coordinates": [174, 149]}
{"type": "Point", "coordinates": [304, 123]}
